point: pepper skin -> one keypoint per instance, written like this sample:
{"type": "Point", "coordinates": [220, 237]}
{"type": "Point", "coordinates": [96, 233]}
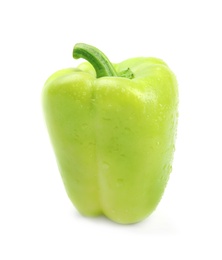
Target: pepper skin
{"type": "Point", "coordinates": [113, 129]}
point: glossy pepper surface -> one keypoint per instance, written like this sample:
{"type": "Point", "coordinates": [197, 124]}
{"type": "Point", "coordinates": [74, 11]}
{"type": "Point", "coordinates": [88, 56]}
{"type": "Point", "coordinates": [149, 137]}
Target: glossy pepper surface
{"type": "Point", "coordinates": [113, 128]}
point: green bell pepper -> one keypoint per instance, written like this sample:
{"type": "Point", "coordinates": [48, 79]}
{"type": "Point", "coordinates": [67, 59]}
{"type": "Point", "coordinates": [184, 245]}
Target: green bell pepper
{"type": "Point", "coordinates": [113, 128]}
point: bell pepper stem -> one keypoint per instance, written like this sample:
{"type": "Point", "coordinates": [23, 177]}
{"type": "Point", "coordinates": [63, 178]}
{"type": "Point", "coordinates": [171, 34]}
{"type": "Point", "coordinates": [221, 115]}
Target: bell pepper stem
{"type": "Point", "coordinates": [100, 62]}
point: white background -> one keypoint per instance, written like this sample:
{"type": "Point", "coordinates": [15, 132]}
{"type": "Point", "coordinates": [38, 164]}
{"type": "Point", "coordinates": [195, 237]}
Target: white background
{"type": "Point", "coordinates": [37, 220]}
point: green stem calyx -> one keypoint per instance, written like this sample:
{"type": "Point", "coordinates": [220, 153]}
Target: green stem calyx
{"type": "Point", "coordinates": [98, 59]}
{"type": "Point", "coordinates": [100, 62]}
